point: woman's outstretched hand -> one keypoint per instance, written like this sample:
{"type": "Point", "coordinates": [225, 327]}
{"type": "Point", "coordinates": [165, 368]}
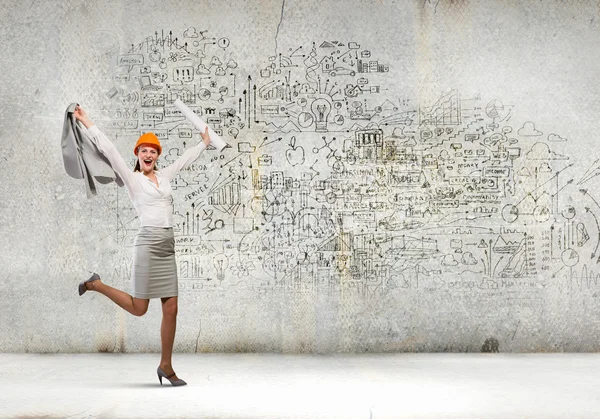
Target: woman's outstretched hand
{"type": "Point", "coordinates": [205, 136]}
{"type": "Point", "coordinates": [82, 116]}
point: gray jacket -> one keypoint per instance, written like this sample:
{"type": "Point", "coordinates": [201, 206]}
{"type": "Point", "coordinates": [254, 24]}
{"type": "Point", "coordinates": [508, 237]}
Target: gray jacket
{"type": "Point", "coordinates": [81, 157]}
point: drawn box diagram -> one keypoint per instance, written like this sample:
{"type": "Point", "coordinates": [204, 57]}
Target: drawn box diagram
{"type": "Point", "coordinates": [184, 133]}
{"type": "Point", "coordinates": [500, 155]}
{"type": "Point", "coordinates": [213, 121]}
{"type": "Point", "coordinates": [153, 116]}
{"type": "Point", "coordinates": [464, 180]}
{"type": "Point", "coordinates": [162, 134]}
{"type": "Point", "coordinates": [446, 203]}
{"type": "Point", "coordinates": [364, 218]}
{"type": "Point", "coordinates": [513, 152]}
{"type": "Point", "coordinates": [130, 60]}
{"type": "Point", "coordinates": [404, 178]}
{"type": "Point", "coordinates": [187, 240]}
{"type": "Point", "coordinates": [153, 100]}
{"type": "Point", "coordinates": [121, 78]}
{"type": "Point", "coordinates": [123, 124]}
{"type": "Point", "coordinates": [269, 109]}
{"type": "Point", "coordinates": [502, 172]}
{"type": "Point", "coordinates": [173, 112]}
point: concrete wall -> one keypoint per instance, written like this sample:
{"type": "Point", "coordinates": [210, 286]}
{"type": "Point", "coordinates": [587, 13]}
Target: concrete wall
{"type": "Point", "coordinates": [403, 176]}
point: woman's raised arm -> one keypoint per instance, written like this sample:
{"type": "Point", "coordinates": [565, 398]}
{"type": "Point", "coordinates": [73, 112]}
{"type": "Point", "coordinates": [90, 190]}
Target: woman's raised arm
{"type": "Point", "coordinates": [106, 147]}
{"type": "Point", "coordinates": [187, 157]}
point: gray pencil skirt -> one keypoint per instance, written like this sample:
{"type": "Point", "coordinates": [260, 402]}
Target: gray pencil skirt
{"type": "Point", "coordinates": [154, 271]}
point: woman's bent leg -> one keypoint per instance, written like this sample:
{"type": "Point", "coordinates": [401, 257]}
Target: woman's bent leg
{"type": "Point", "coordinates": [136, 306]}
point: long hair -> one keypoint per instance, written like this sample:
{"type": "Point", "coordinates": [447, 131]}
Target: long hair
{"type": "Point", "coordinates": [137, 166]}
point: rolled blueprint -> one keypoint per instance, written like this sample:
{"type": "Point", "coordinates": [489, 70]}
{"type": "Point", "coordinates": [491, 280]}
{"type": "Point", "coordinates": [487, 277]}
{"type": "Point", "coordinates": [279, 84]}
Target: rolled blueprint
{"type": "Point", "coordinates": [200, 125]}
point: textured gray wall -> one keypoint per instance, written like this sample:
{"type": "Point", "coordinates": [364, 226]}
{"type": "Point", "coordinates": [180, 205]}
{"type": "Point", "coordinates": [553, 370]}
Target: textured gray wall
{"type": "Point", "coordinates": [403, 176]}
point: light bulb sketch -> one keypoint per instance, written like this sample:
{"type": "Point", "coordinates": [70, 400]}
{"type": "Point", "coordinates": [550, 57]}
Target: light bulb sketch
{"type": "Point", "coordinates": [220, 262]}
{"type": "Point", "coordinates": [321, 109]}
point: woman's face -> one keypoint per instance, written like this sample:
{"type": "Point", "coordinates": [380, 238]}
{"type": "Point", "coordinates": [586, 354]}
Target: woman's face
{"type": "Point", "coordinates": [147, 156]}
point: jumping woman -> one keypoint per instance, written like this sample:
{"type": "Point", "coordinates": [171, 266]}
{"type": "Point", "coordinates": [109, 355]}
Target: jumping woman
{"type": "Point", "coordinates": [154, 271]}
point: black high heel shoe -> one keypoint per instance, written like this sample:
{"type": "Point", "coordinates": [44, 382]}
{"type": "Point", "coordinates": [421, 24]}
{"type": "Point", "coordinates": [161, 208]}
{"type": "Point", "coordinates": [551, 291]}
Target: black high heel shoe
{"type": "Point", "coordinates": [161, 374]}
{"type": "Point", "coordinates": [83, 288]}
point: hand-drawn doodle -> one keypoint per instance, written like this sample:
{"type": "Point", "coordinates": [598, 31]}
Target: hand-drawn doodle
{"type": "Point", "coordinates": [528, 130]}
{"type": "Point", "coordinates": [591, 172]}
{"type": "Point", "coordinates": [447, 192]}
{"type": "Point", "coordinates": [541, 151]}
{"type": "Point", "coordinates": [295, 154]}
{"type": "Point", "coordinates": [556, 138]}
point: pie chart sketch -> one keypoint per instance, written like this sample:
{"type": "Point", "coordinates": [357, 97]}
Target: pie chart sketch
{"type": "Point", "coordinates": [204, 94]}
{"type": "Point", "coordinates": [494, 109]}
{"type": "Point", "coordinates": [305, 119]}
{"type": "Point", "coordinates": [510, 213]}
{"type": "Point", "coordinates": [570, 257]}
{"type": "Point", "coordinates": [339, 119]}
{"type": "Point", "coordinates": [541, 213]}
{"type": "Point", "coordinates": [568, 212]}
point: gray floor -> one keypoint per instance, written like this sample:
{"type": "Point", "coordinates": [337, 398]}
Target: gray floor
{"type": "Point", "coordinates": [290, 386]}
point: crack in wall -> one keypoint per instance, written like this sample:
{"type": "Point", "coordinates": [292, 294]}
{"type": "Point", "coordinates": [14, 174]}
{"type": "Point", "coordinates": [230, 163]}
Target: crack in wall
{"type": "Point", "coordinates": [279, 25]}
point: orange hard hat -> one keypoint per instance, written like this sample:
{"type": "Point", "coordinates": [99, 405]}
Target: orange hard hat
{"type": "Point", "coordinates": [148, 138]}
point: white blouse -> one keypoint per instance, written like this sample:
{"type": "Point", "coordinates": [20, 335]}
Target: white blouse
{"type": "Point", "coordinates": [154, 205]}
